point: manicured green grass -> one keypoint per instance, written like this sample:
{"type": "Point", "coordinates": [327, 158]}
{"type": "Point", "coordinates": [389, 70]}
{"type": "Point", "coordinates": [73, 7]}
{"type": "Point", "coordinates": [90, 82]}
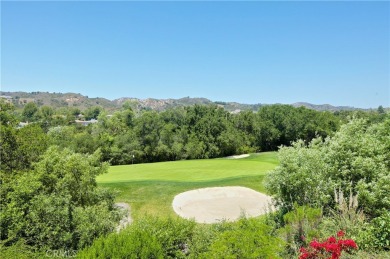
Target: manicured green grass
{"type": "Point", "coordinates": [150, 188]}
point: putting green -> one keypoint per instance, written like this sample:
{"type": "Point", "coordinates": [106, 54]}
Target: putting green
{"type": "Point", "coordinates": [192, 170]}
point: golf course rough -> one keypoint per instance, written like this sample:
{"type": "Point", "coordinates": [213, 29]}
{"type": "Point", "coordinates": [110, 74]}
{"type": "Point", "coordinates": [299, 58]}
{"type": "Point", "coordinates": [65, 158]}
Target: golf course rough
{"type": "Point", "coordinates": [215, 204]}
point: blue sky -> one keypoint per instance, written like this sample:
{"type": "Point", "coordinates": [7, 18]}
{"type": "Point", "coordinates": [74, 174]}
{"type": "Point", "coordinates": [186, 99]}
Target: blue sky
{"type": "Point", "coordinates": [249, 52]}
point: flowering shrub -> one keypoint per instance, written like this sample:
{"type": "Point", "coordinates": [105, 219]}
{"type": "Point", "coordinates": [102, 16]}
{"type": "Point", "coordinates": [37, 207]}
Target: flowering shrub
{"type": "Point", "coordinates": [331, 248]}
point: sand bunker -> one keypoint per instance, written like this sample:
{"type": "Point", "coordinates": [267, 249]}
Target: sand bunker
{"type": "Point", "coordinates": [211, 205]}
{"type": "Point", "coordinates": [238, 156]}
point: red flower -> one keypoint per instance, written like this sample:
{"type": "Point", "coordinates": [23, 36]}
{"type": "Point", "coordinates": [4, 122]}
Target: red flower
{"type": "Point", "coordinates": [332, 239]}
{"type": "Point", "coordinates": [331, 248]}
{"type": "Point", "coordinates": [336, 255]}
{"type": "Point", "coordinates": [316, 245]}
{"type": "Point", "coordinates": [349, 243]}
{"type": "Point", "coordinates": [304, 256]}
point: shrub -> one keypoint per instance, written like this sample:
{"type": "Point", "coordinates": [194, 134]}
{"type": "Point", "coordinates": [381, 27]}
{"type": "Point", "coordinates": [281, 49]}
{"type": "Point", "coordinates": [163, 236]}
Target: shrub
{"type": "Point", "coordinates": [202, 238]}
{"type": "Point", "coordinates": [130, 243]}
{"type": "Point", "coordinates": [300, 177]}
{"type": "Point", "coordinates": [355, 160]}
{"type": "Point", "coordinates": [377, 234]}
{"type": "Point", "coordinates": [21, 251]}
{"type": "Point", "coordinates": [248, 238]}
{"type": "Point", "coordinates": [58, 205]}
{"type": "Point", "coordinates": [148, 237]}
{"type": "Point", "coordinates": [347, 217]}
{"type": "Point", "coordinates": [152, 237]}
{"type": "Point", "coordinates": [301, 224]}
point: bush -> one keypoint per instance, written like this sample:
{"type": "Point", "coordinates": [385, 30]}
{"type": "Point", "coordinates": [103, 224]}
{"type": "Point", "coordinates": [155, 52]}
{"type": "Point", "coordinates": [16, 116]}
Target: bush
{"type": "Point", "coordinates": [202, 238]}
{"type": "Point", "coordinates": [152, 237]}
{"type": "Point", "coordinates": [21, 251]}
{"type": "Point", "coordinates": [130, 243]}
{"type": "Point", "coordinates": [301, 224]}
{"type": "Point", "coordinates": [300, 177]}
{"type": "Point", "coordinates": [355, 160]}
{"type": "Point", "coordinates": [58, 205]}
{"type": "Point", "coordinates": [247, 238]}
{"type": "Point", "coordinates": [149, 237]}
{"type": "Point", "coordinates": [377, 235]}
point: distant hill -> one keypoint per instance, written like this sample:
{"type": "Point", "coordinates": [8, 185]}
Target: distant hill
{"type": "Point", "coordinates": [58, 100]}
{"type": "Point", "coordinates": [163, 104]}
{"type": "Point", "coordinates": [324, 107]}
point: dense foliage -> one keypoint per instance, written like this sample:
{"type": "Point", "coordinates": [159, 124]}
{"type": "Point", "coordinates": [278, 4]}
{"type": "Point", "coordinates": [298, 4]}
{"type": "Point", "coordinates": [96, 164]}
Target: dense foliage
{"type": "Point", "coordinates": [346, 175]}
{"type": "Point", "coordinates": [354, 161]}
{"type": "Point", "coordinates": [49, 198]}
{"type": "Point", "coordinates": [58, 204]}
{"type": "Point", "coordinates": [192, 132]}
{"type": "Point", "coordinates": [178, 238]}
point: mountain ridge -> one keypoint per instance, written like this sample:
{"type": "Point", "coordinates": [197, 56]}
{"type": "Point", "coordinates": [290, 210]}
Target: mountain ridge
{"type": "Point", "coordinates": [82, 102]}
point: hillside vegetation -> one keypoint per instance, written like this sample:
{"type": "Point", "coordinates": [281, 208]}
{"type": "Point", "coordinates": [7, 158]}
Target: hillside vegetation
{"type": "Point", "coordinates": [76, 100]}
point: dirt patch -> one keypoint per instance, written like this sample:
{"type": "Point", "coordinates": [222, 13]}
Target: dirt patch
{"type": "Point", "coordinates": [126, 220]}
{"type": "Point", "coordinates": [211, 205]}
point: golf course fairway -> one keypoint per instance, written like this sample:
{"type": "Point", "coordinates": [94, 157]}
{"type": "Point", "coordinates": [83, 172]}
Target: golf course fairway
{"type": "Point", "coordinates": [150, 188]}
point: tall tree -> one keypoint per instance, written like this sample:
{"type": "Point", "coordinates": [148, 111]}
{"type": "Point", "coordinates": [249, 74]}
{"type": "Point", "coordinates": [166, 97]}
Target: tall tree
{"type": "Point", "coordinates": [30, 111]}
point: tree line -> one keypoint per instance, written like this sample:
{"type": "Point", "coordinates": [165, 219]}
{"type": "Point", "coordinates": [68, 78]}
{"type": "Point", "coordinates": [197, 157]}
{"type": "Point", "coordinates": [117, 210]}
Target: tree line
{"type": "Point", "coordinates": [193, 132]}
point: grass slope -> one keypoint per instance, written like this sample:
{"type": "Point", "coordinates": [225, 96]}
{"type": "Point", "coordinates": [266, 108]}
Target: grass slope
{"type": "Point", "coordinates": [150, 188]}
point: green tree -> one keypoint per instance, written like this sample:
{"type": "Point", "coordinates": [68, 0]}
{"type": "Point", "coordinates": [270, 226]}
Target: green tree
{"type": "Point", "coordinates": [9, 153]}
{"type": "Point", "coordinates": [125, 149]}
{"type": "Point", "coordinates": [30, 112]}
{"type": "Point", "coordinates": [147, 128]}
{"type": "Point", "coordinates": [32, 143]}
{"type": "Point", "coordinates": [380, 109]}
{"type": "Point", "coordinates": [282, 124]}
{"type": "Point", "coordinates": [58, 205]}
{"type": "Point", "coordinates": [62, 136]}
{"type": "Point", "coordinates": [45, 115]}
{"type": "Point", "coordinates": [92, 112]}
{"type": "Point", "coordinates": [207, 123]}
{"type": "Point", "coordinates": [19, 148]}
{"type": "Point", "coordinates": [8, 139]}
{"type": "Point", "coordinates": [7, 116]}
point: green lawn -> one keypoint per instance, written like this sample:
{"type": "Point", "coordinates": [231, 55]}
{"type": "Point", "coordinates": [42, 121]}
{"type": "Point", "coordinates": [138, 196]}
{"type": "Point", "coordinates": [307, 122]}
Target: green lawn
{"type": "Point", "coordinates": [150, 188]}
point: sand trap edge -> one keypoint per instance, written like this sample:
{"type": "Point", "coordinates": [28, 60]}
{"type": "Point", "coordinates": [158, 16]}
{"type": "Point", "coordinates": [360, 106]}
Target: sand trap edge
{"type": "Point", "coordinates": [216, 204]}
